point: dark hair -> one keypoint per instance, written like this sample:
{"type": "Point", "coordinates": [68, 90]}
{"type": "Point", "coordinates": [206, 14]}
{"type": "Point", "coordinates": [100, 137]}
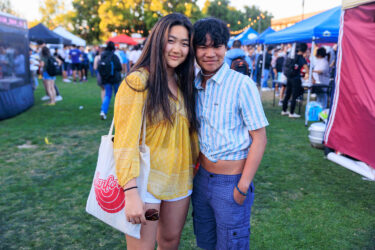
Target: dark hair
{"type": "Point", "coordinates": [321, 52]}
{"type": "Point", "coordinates": [302, 47]}
{"type": "Point", "coordinates": [237, 44]}
{"type": "Point", "coordinates": [215, 28]}
{"type": "Point", "coordinates": [110, 46]}
{"type": "Point", "coordinates": [45, 52]}
{"type": "Point", "coordinates": [152, 58]}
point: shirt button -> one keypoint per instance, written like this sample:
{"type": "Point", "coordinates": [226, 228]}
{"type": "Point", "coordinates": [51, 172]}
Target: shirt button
{"type": "Point", "coordinates": [234, 233]}
{"type": "Point", "coordinates": [211, 175]}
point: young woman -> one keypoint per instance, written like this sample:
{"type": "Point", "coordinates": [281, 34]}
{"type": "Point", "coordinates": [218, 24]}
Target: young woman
{"type": "Point", "coordinates": [48, 81]}
{"type": "Point", "coordinates": [321, 75]}
{"type": "Point", "coordinates": [98, 78]}
{"type": "Point", "coordinates": [162, 81]}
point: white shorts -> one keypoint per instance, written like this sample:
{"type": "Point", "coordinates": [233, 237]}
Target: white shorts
{"type": "Point", "coordinates": [152, 199]}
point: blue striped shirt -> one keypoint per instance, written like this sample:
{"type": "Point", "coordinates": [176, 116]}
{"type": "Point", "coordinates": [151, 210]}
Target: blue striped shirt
{"type": "Point", "coordinates": [227, 109]}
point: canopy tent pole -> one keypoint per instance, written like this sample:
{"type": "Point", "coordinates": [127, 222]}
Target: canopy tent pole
{"type": "Point", "coordinates": [310, 78]}
{"type": "Point", "coordinates": [264, 58]}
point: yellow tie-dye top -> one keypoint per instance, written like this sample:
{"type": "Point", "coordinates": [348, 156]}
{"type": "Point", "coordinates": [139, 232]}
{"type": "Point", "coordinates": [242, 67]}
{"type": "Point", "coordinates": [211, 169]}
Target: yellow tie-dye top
{"type": "Point", "coordinates": [173, 149]}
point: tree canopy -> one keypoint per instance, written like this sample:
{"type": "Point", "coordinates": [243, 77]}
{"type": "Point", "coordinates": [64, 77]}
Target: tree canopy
{"type": "Point", "coordinates": [96, 20]}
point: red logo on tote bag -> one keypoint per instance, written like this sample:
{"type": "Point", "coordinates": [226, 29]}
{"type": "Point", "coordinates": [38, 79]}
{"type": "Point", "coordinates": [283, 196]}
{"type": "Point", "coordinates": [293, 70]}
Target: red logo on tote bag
{"type": "Point", "coordinates": [109, 194]}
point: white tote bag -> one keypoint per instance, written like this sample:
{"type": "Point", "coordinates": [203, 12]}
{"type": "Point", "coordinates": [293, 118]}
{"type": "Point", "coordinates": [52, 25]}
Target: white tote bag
{"type": "Point", "coordinates": [107, 199]}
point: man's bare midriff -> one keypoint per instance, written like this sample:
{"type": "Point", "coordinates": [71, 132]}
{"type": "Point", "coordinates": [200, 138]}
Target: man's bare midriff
{"type": "Point", "coordinates": [222, 166]}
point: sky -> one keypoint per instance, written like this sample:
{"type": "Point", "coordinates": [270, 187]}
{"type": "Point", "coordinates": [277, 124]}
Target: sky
{"type": "Point", "coordinates": [29, 9]}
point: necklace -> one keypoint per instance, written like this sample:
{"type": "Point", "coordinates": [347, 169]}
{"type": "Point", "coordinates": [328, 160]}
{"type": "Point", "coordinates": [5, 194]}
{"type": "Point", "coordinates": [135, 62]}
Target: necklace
{"type": "Point", "coordinates": [207, 74]}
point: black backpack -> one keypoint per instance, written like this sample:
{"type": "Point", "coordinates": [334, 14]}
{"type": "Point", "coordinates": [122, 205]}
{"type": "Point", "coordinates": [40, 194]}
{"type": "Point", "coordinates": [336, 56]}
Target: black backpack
{"type": "Point", "coordinates": [106, 68]}
{"type": "Point", "coordinates": [291, 68]}
{"type": "Point", "coordinates": [52, 66]}
{"type": "Point", "coordinates": [239, 64]}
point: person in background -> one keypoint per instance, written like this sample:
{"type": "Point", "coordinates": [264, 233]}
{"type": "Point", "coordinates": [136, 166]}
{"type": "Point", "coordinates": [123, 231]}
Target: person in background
{"type": "Point", "coordinates": [75, 55]}
{"type": "Point", "coordinates": [135, 54]}
{"type": "Point", "coordinates": [258, 64]}
{"type": "Point", "coordinates": [321, 76]}
{"type": "Point", "coordinates": [236, 52]}
{"type": "Point", "coordinates": [64, 54]}
{"type": "Point", "coordinates": [124, 62]}
{"type": "Point", "coordinates": [19, 63]}
{"type": "Point", "coordinates": [281, 79]}
{"type": "Point", "coordinates": [110, 80]}
{"type": "Point", "coordinates": [91, 56]}
{"type": "Point", "coordinates": [267, 69]}
{"type": "Point", "coordinates": [293, 86]}
{"type": "Point", "coordinates": [68, 63]}
{"type": "Point", "coordinates": [40, 45]}
{"type": "Point", "coordinates": [48, 81]}
{"type": "Point", "coordinates": [98, 78]}
{"type": "Point", "coordinates": [57, 54]}
{"type": "Point", "coordinates": [118, 52]}
{"type": "Point", "coordinates": [162, 82]}
{"type": "Point", "coordinates": [232, 140]}
{"type": "Point", "coordinates": [84, 59]}
{"type": "Point", "coordinates": [34, 66]}
{"type": "Point", "coordinates": [250, 52]}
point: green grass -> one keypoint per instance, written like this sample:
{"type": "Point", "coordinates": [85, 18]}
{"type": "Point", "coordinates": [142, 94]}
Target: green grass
{"type": "Point", "coordinates": [303, 201]}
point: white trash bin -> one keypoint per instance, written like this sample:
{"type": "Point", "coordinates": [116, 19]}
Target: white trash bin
{"type": "Point", "coordinates": [316, 134]}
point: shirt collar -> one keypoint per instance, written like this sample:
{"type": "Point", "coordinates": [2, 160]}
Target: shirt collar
{"type": "Point", "coordinates": [218, 77]}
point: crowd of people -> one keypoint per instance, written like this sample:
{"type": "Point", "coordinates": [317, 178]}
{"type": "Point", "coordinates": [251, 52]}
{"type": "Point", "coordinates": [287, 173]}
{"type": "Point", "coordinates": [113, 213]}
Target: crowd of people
{"type": "Point", "coordinates": [76, 64]}
{"type": "Point", "coordinates": [287, 88]}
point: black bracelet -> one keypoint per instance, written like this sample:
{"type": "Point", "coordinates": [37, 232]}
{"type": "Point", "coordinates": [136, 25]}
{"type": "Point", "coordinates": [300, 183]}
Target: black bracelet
{"type": "Point", "coordinates": [126, 189]}
{"type": "Point", "coordinates": [244, 194]}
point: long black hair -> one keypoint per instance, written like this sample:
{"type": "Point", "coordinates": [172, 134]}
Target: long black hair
{"type": "Point", "coordinates": [152, 58]}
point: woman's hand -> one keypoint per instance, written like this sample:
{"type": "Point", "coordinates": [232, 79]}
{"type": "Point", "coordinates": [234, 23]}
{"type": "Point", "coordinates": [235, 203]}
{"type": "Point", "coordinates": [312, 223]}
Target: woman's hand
{"type": "Point", "coordinates": [134, 207]}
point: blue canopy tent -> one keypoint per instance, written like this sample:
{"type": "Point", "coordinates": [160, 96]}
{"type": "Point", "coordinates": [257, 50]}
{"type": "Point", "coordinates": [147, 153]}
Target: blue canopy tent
{"type": "Point", "coordinates": [41, 32]}
{"type": "Point", "coordinates": [260, 38]}
{"type": "Point", "coordinates": [323, 27]}
{"type": "Point", "coordinates": [244, 36]}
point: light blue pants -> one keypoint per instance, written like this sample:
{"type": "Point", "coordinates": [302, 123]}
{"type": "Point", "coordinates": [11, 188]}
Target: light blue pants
{"type": "Point", "coordinates": [265, 79]}
{"type": "Point", "coordinates": [108, 94]}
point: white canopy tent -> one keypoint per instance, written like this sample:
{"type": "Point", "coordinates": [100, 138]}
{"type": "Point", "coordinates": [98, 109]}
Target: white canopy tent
{"type": "Point", "coordinates": [75, 39]}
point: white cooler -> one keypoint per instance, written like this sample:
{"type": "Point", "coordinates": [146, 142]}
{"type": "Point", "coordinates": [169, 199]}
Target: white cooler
{"type": "Point", "coordinates": [316, 134]}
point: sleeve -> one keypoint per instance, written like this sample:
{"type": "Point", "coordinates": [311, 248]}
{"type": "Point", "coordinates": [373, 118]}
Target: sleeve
{"type": "Point", "coordinates": [251, 106]}
{"type": "Point", "coordinates": [127, 118]}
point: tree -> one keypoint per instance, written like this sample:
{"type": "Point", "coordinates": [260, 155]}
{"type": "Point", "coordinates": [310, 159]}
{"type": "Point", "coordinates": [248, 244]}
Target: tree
{"type": "Point", "coordinates": [50, 10]}
{"type": "Point", "coordinates": [237, 19]}
{"type": "Point", "coordinates": [86, 20]}
{"type": "Point", "coordinates": [139, 16]}
{"type": "Point", "coordinates": [264, 20]}
{"type": "Point", "coordinates": [6, 6]}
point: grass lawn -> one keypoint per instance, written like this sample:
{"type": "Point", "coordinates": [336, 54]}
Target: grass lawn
{"type": "Point", "coordinates": [303, 201]}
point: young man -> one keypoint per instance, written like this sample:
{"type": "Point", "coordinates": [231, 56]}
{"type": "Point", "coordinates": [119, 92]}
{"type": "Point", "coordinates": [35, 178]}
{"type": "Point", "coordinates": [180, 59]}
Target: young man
{"type": "Point", "coordinates": [74, 55]}
{"type": "Point", "coordinates": [293, 85]}
{"type": "Point", "coordinates": [232, 138]}
{"type": "Point", "coordinates": [267, 69]}
{"type": "Point", "coordinates": [235, 53]}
